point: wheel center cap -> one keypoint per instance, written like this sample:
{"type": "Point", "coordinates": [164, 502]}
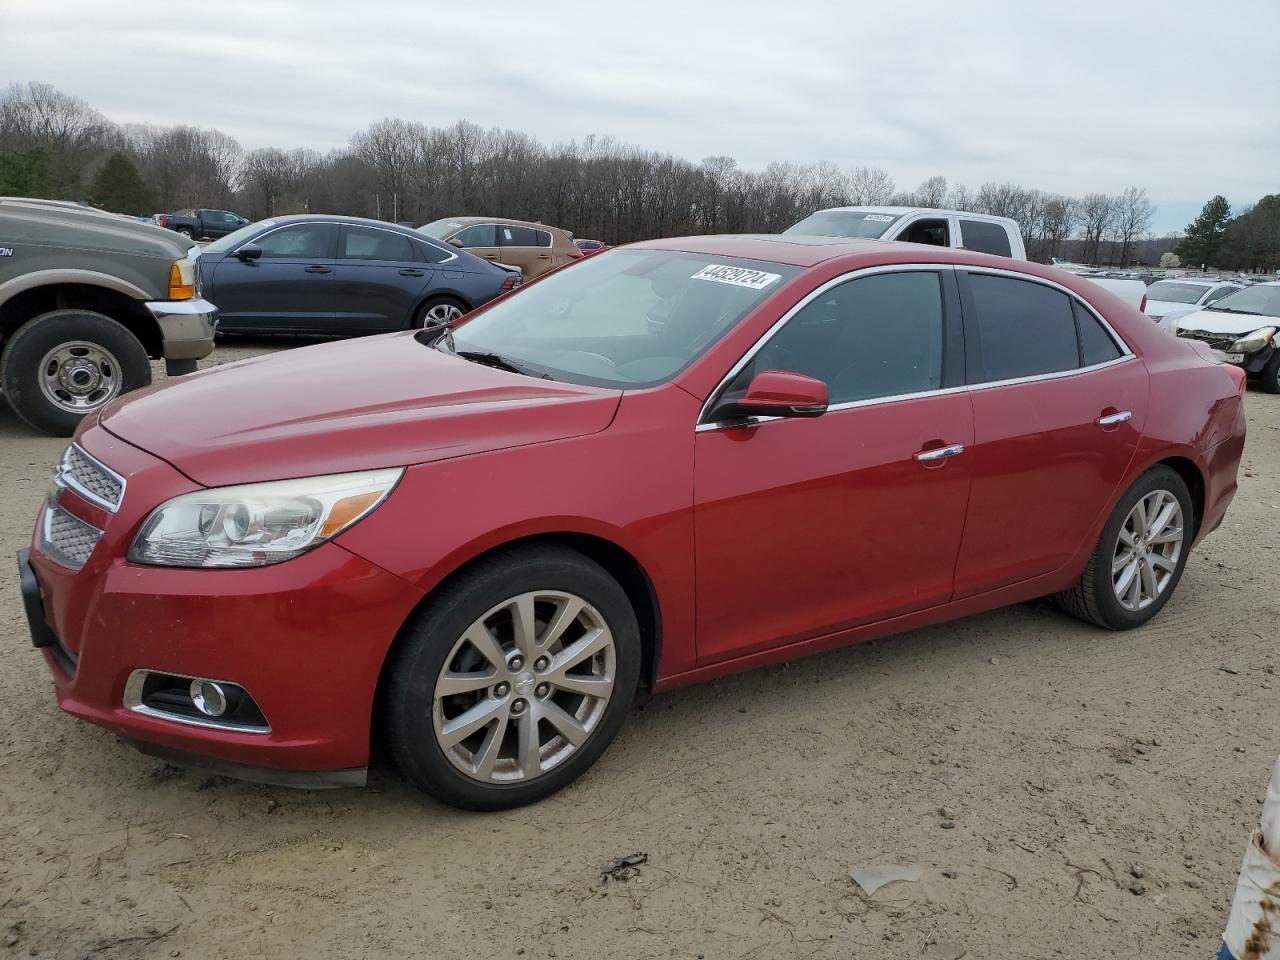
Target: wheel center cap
{"type": "Point", "coordinates": [524, 682]}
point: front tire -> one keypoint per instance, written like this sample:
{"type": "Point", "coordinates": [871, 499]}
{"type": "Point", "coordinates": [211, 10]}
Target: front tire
{"type": "Point", "coordinates": [438, 310]}
{"type": "Point", "coordinates": [60, 366]}
{"type": "Point", "coordinates": [1140, 556]}
{"type": "Point", "coordinates": [1269, 378]}
{"type": "Point", "coordinates": [513, 680]}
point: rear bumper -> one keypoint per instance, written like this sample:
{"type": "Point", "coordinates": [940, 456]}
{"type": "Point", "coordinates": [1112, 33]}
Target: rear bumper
{"type": "Point", "coordinates": [187, 327]}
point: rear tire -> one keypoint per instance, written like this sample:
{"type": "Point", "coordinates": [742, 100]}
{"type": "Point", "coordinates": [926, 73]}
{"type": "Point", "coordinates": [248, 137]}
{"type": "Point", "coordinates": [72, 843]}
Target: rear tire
{"type": "Point", "coordinates": [438, 310]}
{"type": "Point", "coordinates": [1269, 378]}
{"type": "Point", "coordinates": [63, 365]}
{"type": "Point", "coordinates": [1102, 595]}
{"type": "Point", "coordinates": [187, 232]}
{"type": "Point", "coordinates": [533, 697]}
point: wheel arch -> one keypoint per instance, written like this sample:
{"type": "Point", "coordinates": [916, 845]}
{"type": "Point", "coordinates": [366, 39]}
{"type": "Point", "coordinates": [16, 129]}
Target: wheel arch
{"type": "Point", "coordinates": [1193, 476]}
{"type": "Point", "coordinates": [116, 299]}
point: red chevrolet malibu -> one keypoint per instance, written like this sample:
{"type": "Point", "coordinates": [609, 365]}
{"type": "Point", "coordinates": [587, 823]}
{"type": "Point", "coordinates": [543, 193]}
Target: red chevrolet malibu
{"type": "Point", "coordinates": [676, 460]}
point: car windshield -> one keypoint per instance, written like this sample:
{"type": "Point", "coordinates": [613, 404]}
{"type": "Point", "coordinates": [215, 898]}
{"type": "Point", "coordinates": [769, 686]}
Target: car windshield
{"type": "Point", "coordinates": [868, 224]}
{"type": "Point", "coordinates": [1262, 300]}
{"type": "Point", "coordinates": [438, 228]}
{"type": "Point", "coordinates": [1170, 291]}
{"type": "Point", "coordinates": [236, 237]}
{"type": "Point", "coordinates": [623, 318]}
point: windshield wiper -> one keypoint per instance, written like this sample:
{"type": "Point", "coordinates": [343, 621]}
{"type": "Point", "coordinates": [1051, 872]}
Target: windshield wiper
{"type": "Point", "coordinates": [498, 361]}
{"type": "Point", "coordinates": [1247, 313]}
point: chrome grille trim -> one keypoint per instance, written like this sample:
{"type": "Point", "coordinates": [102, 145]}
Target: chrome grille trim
{"type": "Point", "coordinates": [90, 478]}
{"type": "Point", "coordinates": [65, 539]}
{"type": "Point", "coordinates": [1218, 341]}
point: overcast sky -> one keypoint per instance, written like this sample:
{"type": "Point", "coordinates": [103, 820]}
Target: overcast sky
{"type": "Point", "coordinates": [1071, 96]}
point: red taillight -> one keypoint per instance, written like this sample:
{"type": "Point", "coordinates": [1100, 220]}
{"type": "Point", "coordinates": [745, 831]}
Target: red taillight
{"type": "Point", "coordinates": [164, 221]}
{"type": "Point", "coordinates": [512, 282]}
{"type": "Point", "coordinates": [1142, 307]}
{"type": "Point", "coordinates": [1240, 377]}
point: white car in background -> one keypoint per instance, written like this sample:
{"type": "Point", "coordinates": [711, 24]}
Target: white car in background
{"type": "Point", "coordinates": [1243, 328]}
{"type": "Point", "coordinates": [1169, 300]}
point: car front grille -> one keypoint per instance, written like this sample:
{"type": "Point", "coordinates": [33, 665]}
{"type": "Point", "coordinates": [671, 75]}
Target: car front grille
{"type": "Point", "coordinates": [92, 480]}
{"type": "Point", "coordinates": [1219, 341]}
{"type": "Point", "coordinates": [66, 540]}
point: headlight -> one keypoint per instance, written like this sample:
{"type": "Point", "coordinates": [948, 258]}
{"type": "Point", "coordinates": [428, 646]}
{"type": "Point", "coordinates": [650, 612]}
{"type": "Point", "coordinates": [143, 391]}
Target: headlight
{"type": "Point", "coordinates": [260, 523]}
{"type": "Point", "coordinates": [182, 279]}
{"type": "Point", "coordinates": [1254, 341]}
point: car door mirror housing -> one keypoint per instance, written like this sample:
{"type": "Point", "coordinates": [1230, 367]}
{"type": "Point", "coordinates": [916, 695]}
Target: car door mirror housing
{"type": "Point", "coordinates": [250, 251]}
{"type": "Point", "coordinates": [775, 393]}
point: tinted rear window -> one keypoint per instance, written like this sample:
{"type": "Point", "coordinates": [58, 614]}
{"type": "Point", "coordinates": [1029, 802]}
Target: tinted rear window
{"type": "Point", "coordinates": [1024, 328]}
{"type": "Point", "coordinates": [1170, 291]}
{"type": "Point", "coordinates": [983, 237]}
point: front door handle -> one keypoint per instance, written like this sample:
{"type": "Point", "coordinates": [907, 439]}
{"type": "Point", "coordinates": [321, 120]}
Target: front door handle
{"type": "Point", "coordinates": [544, 256]}
{"type": "Point", "coordinates": [317, 268]}
{"type": "Point", "coordinates": [940, 453]}
{"type": "Point", "coordinates": [1114, 419]}
{"type": "Point", "coordinates": [410, 272]}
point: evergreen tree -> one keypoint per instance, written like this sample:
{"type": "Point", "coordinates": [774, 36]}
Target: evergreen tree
{"type": "Point", "coordinates": [1204, 236]}
{"type": "Point", "coordinates": [24, 173]}
{"type": "Point", "coordinates": [119, 187]}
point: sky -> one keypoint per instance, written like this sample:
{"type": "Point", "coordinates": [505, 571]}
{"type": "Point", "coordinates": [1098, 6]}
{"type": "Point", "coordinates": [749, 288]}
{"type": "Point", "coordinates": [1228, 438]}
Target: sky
{"type": "Point", "coordinates": [1176, 97]}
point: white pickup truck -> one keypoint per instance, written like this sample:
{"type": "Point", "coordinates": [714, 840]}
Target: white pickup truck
{"type": "Point", "coordinates": [947, 228]}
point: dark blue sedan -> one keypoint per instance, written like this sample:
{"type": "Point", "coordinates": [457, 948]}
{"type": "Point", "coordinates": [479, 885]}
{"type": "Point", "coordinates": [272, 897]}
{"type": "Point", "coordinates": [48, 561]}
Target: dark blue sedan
{"type": "Point", "coordinates": [344, 276]}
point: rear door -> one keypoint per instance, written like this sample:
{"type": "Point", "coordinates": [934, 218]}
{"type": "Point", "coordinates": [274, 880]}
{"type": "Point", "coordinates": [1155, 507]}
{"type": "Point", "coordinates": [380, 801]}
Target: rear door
{"type": "Point", "coordinates": [289, 288]}
{"type": "Point", "coordinates": [805, 527]}
{"type": "Point", "coordinates": [378, 280]}
{"type": "Point", "coordinates": [1058, 408]}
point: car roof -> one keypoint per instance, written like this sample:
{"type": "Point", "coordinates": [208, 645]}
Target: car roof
{"type": "Point", "coordinates": [507, 220]}
{"type": "Point", "coordinates": [338, 218]}
{"type": "Point", "coordinates": [1198, 281]}
{"type": "Point", "coordinates": [902, 211]}
{"type": "Point", "coordinates": [797, 250]}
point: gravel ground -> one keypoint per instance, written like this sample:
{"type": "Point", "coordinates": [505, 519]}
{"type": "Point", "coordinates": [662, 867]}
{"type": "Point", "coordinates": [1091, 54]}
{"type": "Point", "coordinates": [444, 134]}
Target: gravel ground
{"type": "Point", "coordinates": [1098, 792]}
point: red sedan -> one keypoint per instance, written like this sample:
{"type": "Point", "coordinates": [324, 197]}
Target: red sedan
{"type": "Point", "coordinates": [678, 459]}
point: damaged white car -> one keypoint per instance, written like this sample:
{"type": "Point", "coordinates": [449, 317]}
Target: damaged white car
{"type": "Point", "coordinates": [1242, 330]}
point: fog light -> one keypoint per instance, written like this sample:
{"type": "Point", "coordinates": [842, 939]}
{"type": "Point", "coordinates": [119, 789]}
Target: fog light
{"type": "Point", "coordinates": [209, 697]}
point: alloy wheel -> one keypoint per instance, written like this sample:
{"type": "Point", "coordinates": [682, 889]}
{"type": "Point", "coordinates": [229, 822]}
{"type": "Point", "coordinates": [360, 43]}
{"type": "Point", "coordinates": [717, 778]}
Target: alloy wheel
{"type": "Point", "coordinates": [524, 687]}
{"type": "Point", "coordinates": [79, 376]}
{"type": "Point", "coordinates": [441, 313]}
{"type": "Point", "coordinates": [1147, 550]}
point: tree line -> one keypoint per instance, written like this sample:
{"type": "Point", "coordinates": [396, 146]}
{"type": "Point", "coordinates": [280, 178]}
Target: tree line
{"type": "Point", "coordinates": [58, 146]}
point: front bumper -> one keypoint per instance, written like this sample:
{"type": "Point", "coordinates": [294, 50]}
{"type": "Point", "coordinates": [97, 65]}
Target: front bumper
{"type": "Point", "coordinates": [1251, 363]}
{"type": "Point", "coordinates": [187, 327]}
{"type": "Point", "coordinates": [306, 638]}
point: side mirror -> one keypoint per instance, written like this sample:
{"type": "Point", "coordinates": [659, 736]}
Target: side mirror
{"type": "Point", "coordinates": [776, 393]}
{"type": "Point", "coordinates": [455, 242]}
{"type": "Point", "coordinates": [250, 251]}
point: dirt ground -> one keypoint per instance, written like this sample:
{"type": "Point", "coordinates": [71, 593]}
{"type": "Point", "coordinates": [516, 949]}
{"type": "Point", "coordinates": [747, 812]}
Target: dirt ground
{"type": "Point", "coordinates": [1068, 759]}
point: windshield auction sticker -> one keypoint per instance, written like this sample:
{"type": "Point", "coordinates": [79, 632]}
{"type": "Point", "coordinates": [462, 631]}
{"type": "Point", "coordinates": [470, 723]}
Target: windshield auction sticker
{"type": "Point", "coordinates": [738, 276]}
{"type": "Point", "coordinates": [879, 217]}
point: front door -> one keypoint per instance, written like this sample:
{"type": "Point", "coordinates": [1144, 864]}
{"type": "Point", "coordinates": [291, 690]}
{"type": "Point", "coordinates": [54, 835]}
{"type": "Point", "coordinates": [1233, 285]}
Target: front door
{"type": "Point", "coordinates": [526, 248]}
{"type": "Point", "coordinates": [290, 287]}
{"type": "Point", "coordinates": [480, 239]}
{"type": "Point", "coordinates": [378, 280]}
{"type": "Point", "coordinates": [1058, 409]}
{"type": "Point", "coordinates": [805, 527]}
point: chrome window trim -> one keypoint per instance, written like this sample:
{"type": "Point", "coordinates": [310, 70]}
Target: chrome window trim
{"type": "Point", "coordinates": [1127, 354]}
{"type": "Point", "coordinates": [64, 478]}
{"type": "Point", "coordinates": [133, 702]}
{"type": "Point", "coordinates": [288, 226]}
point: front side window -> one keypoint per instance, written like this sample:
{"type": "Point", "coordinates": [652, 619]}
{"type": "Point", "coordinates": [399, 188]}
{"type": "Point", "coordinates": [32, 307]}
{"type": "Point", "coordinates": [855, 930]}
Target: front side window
{"type": "Point", "coordinates": [1024, 328]}
{"type": "Point", "coordinates": [364, 243]}
{"type": "Point", "coordinates": [310, 241]}
{"type": "Point", "coordinates": [478, 235]}
{"type": "Point", "coordinates": [1219, 293]}
{"type": "Point", "coordinates": [869, 224]}
{"type": "Point", "coordinates": [983, 237]}
{"type": "Point", "coordinates": [872, 337]}
{"type": "Point", "coordinates": [624, 318]}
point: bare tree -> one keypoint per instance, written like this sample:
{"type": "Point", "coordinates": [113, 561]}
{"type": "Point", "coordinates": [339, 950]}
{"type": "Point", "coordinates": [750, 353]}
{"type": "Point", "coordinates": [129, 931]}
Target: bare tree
{"type": "Point", "coordinates": [932, 193]}
{"type": "Point", "coordinates": [869, 186]}
{"type": "Point", "coordinates": [1097, 217]}
{"type": "Point", "coordinates": [1133, 216]}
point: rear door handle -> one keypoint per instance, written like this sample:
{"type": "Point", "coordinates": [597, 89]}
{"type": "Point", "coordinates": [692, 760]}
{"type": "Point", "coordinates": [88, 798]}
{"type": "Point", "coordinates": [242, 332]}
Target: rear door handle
{"type": "Point", "coordinates": [940, 453]}
{"type": "Point", "coordinates": [409, 272]}
{"type": "Point", "coordinates": [544, 256]}
{"type": "Point", "coordinates": [316, 268]}
{"type": "Point", "coordinates": [1114, 419]}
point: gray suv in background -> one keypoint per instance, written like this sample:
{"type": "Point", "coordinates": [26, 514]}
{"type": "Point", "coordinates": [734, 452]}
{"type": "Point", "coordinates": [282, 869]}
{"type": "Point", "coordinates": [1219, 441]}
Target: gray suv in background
{"type": "Point", "coordinates": [87, 299]}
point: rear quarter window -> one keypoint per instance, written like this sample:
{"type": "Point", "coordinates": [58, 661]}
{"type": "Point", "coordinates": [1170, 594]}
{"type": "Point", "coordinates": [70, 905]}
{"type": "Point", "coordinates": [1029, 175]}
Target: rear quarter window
{"type": "Point", "coordinates": [983, 237]}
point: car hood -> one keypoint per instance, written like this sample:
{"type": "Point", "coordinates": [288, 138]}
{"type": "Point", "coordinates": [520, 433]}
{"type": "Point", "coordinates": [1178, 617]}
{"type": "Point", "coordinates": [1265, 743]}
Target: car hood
{"type": "Point", "coordinates": [1219, 321]}
{"type": "Point", "coordinates": [384, 401]}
